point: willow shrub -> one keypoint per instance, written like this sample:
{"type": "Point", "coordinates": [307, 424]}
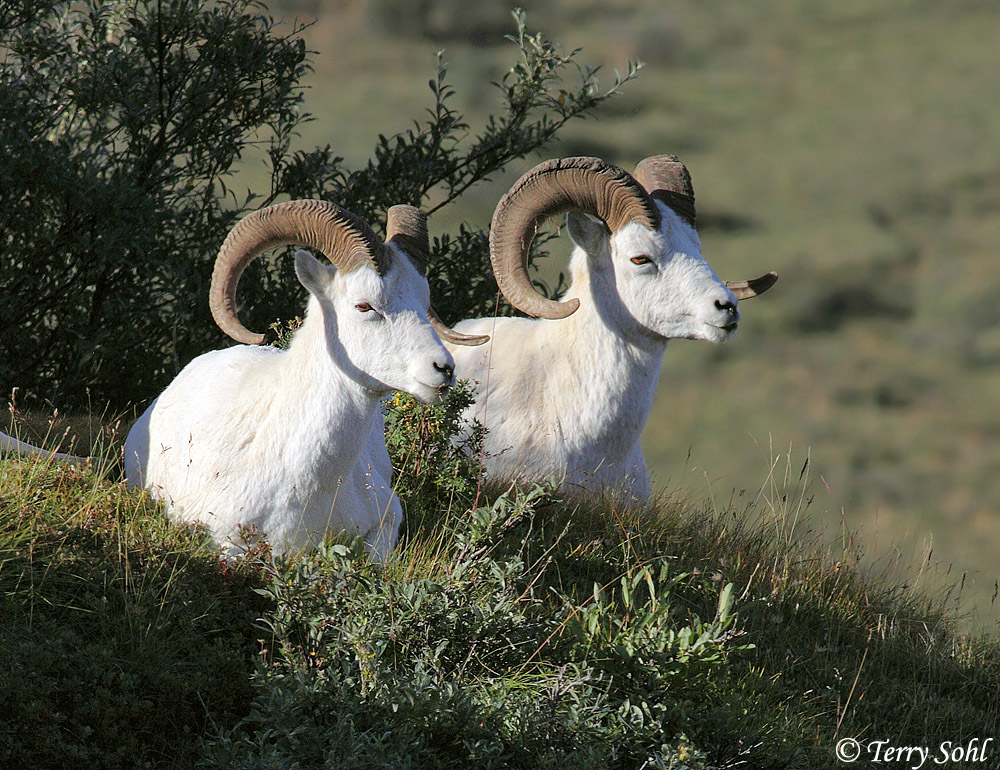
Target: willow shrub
{"type": "Point", "coordinates": [121, 122]}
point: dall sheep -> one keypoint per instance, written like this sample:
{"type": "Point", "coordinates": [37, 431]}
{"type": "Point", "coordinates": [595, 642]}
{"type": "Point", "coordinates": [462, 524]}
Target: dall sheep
{"type": "Point", "coordinates": [290, 441]}
{"type": "Point", "coordinates": [565, 395]}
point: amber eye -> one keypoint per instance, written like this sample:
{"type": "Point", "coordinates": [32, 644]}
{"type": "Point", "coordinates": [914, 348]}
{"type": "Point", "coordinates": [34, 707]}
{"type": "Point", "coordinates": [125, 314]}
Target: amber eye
{"type": "Point", "coordinates": [641, 260]}
{"type": "Point", "coordinates": [363, 307]}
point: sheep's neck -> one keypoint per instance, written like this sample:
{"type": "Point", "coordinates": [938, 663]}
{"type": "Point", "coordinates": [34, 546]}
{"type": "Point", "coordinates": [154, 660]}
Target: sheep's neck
{"type": "Point", "coordinates": [332, 411]}
{"type": "Point", "coordinates": [615, 372]}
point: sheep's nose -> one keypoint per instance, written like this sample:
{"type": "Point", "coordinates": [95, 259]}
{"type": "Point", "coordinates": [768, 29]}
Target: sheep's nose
{"type": "Point", "coordinates": [448, 370]}
{"type": "Point", "coordinates": [726, 306]}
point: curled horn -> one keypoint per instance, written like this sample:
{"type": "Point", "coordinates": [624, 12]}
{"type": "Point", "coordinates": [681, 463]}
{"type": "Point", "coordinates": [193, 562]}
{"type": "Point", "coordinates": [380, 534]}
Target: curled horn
{"type": "Point", "coordinates": [406, 226]}
{"type": "Point", "coordinates": [666, 179]}
{"type": "Point", "coordinates": [343, 238]}
{"type": "Point", "coordinates": [553, 187]}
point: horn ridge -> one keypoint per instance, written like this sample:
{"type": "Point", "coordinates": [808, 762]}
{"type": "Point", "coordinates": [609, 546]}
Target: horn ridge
{"type": "Point", "coordinates": [345, 239]}
{"type": "Point", "coordinates": [555, 186]}
{"type": "Point", "coordinates": [667, 179]}
{"type": "Point", "coordinates": [406, 226]}
{"type": "Point", "coordinates": [752, 288]}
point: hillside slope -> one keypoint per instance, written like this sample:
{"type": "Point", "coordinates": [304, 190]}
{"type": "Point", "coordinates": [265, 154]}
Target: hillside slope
{"type": "Point", "coordinates": [525, 633]}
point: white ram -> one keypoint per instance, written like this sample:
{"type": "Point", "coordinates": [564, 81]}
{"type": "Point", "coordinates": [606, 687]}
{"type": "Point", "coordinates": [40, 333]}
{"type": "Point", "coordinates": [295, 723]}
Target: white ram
{"type": "Point", "coordinates": [290, 442]}
{"type": "Point", "coordinates": [565, 395]}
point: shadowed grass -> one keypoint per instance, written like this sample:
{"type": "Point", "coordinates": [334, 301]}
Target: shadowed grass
{"type": "Point", "coordinates": [122, 637]}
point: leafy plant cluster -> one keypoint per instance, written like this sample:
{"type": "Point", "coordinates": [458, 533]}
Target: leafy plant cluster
{"type": "Point", "coordinates": [478, 663]}
{"type": "Point", "coordinates": [436, 455]}
{"type": "Point", "coordinates": [121, 123]}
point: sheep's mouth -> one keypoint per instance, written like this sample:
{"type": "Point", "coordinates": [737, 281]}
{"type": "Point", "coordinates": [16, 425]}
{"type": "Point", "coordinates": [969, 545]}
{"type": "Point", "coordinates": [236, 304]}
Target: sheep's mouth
{"type": "Point", "coordinates": [437, 391]}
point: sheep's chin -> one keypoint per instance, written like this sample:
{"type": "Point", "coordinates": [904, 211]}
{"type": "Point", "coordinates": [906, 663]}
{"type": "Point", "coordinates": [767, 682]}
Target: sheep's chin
{"type": "Point", "coordinates": [715, 333]}
{"type": "Point", "coordinates": [428, 394]}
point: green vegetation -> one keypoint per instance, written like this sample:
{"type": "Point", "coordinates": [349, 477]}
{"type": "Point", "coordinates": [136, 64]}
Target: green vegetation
{"type": "Point", "coordinates": [510, 629]}
{"type": "Point", "coordinates": [121, 122]}
{"type": "Point", "coordinates": [121, 635]}
{"type": "Point", "coordinates": [846, 146]}
{"type": "Point", "coordinates": [122, 127]}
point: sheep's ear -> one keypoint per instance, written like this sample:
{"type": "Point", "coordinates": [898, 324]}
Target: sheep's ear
{"type": "Point", "coordinates": [312, 273]}
{"type": "Point", "coordinates": [586, 231]}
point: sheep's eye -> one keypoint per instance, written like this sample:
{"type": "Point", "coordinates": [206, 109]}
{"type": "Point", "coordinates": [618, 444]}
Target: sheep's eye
{"type": "Point", "coordinates": [642, 259]}
{"type": "Point", "coordinates": [363, 307]}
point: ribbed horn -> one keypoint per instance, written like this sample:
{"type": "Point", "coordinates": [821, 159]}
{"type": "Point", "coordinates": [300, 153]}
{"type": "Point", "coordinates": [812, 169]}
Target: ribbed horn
{"type": "Point", "coordinates": [406, 226]}
{"type": "Point", "coordinates": [335, 232]}
{"type": "Point", "coordinates": [448, 334]}
{"type": "Point", "coordinates": [666, 179]}
{"type": "Point", "coordinates": [556, 186]}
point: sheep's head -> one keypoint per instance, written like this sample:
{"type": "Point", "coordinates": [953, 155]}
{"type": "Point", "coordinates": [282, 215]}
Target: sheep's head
{"type": "Point", "coordinates": [373, 297]}
{"type": "Point", "coordinates": [639, 237]}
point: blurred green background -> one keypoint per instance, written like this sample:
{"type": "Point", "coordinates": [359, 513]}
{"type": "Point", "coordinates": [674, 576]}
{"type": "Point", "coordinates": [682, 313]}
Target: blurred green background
{"type": "Point", "coordinates": [851, 146]}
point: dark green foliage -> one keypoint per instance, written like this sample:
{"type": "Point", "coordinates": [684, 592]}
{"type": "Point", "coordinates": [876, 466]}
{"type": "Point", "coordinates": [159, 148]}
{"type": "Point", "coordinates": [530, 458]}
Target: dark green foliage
{"type": "Point", "coordinates": [120, 124]}
{"type": "Point", "coordinates": [121, 638]}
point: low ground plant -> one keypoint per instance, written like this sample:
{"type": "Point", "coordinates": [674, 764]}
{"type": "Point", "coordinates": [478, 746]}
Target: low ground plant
{"type": "Point", "coordinates": [477, 660]}
{"type": "Point", "coordinates": [122, 638]}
